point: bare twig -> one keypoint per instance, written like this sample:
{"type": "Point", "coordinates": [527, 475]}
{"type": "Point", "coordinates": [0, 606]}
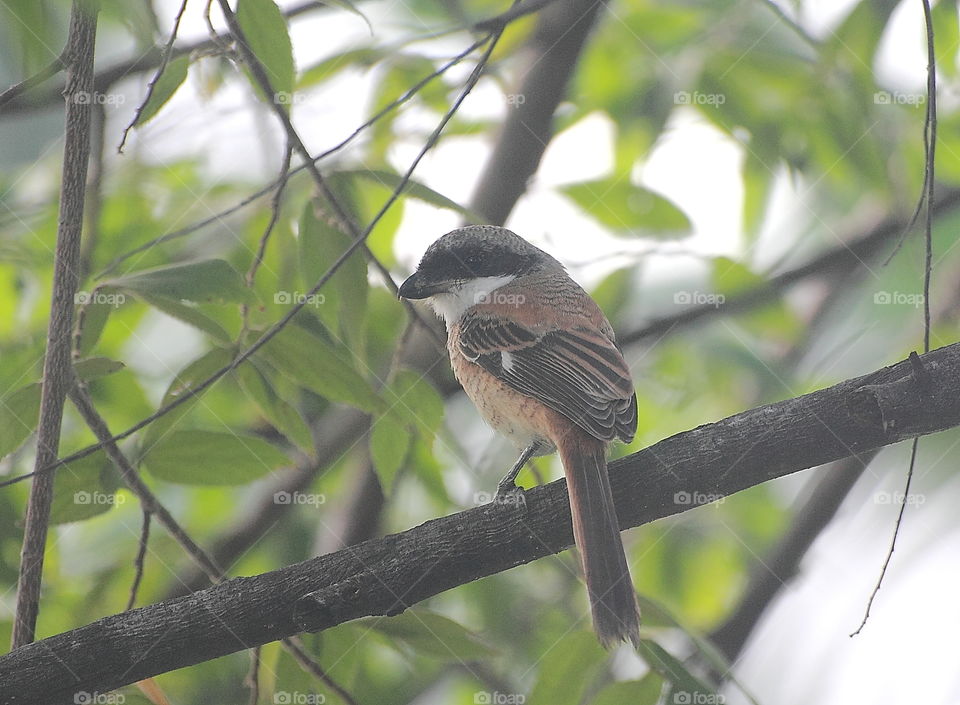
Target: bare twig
{"type": "Point", "coordinates": [57, 367]}
{"type": "Point", "coordinates": [926, 199]}
{"type": "Point", "coordinates": [295, 648]}
{"type": "Point", "coordinates": [252, 680]}
{"type": "Point", "coordinates": [31, 82]}
{"type": "Point", "coordinates": [141, 557]}
{"type": "Point", "coordinates": [151, 86]}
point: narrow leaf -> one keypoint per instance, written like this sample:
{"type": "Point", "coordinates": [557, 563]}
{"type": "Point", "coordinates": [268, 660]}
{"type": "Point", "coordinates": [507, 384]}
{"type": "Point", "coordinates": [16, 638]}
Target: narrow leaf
{"type": "Point", "coordinates": [19, 416]}
{"type": "Point", "coordinates": [265, 29]}
{"type": "Point", "coordinates": [211, 458]}
{"type": "Point", "coordinates": [389, 443]}
{"type": "Point", "coordinates": [433, 635]}
{"type": "Point", "coordinates": [205, 280]}
{"type": "Point", "coordinates": [170, 80]}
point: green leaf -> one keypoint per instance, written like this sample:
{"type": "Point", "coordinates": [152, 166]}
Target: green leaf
{"type": "Point", "coordinates": [84, 489]}
{"type": "Point", "coordinates": [342, 303]}
{"type": "Point", "coordinates": [364, 57]}
{"type": "Point", "coordinates": [389, 442]}
{"type": "Point", "coordinates": [212, 458]}
{"type": "Point", "coordinates": [413, 189]}
{"type": "Point", "coordinates": [731, 277]}
{"type": "Point", "coordinates": [170, 80]}
{"type": "Point", "coordinates": [205, 280]}
{"type": "Point", "coordinates": [93, 367]}
{"type": "Point", "coordinates": [645, 691]}
{"type": "Point", "coordinates": [433, 635]}
{"type": "Point", "coordinates": [412, 398]}
{"type": "Point", "coordinates": [622, 206]}
{"type": "Point", "coordinates": [188, 378]}
{"type": "Point", "coordinates": [94, 320]}
{"type": "Point", "coordinates": [189, 315]}
{"type": "Point", "coordinates": [265, 29]}
{"type": "Point", "coordinates": [672, 669]}
{"type": "Point", "coordinates": [277, 411]}
{"type": "Point", "coordinates": [19, 416]}
{"type": "Point", "coordinates": [577, 652]}
{"type": "Point", "coordinates": [320, 367]}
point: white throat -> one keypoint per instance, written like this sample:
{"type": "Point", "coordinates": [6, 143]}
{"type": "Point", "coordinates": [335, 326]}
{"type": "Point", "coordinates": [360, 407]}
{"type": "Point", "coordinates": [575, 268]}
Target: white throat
{"type": "Point", "coordinates": [450, 306]}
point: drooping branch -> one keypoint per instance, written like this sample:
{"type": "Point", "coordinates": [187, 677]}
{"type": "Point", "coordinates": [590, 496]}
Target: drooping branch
{"type": "Point", "coordinates": [386, 576]}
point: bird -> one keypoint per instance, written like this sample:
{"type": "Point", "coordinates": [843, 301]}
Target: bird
{"type": "Point", "coordinates": [540, 361]}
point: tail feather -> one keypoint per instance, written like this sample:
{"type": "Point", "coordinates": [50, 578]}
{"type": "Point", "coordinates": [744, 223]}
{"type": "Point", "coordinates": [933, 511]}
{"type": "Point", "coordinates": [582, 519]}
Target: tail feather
{"type": "Point", "coordinates": [616, 616]}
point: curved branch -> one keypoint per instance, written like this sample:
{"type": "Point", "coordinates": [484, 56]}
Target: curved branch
{"type": "Point", "coordinates": [386, 576]}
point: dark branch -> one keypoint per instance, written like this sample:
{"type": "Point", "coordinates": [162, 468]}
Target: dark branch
{"type": "Point", "coordinates": [386, 576]}
{"type": "Point", "coordinates": [57, 365]}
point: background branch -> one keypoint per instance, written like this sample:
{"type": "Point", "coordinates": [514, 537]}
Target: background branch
{"type": "Point", "coordinates": [386, 576]}
{"type": "Point", "coordinates": [57, 367]}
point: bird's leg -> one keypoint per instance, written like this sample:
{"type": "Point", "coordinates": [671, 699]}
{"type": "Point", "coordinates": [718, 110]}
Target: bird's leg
{"type": "Point", "coordinates": [508, 484]}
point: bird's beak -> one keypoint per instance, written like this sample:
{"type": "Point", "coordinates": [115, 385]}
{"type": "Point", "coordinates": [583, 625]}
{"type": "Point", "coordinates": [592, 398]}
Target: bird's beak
{"type": "Point", "coordinates": [419, 287]}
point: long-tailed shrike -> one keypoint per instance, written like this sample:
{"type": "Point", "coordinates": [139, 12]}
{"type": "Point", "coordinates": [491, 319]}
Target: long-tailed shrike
{"type": "Point", "coordinates": [538, 358]}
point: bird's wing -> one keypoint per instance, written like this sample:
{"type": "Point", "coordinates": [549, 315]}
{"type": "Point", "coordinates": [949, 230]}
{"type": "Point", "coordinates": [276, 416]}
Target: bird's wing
{"type": "Point", "coordinates": [578, 372]}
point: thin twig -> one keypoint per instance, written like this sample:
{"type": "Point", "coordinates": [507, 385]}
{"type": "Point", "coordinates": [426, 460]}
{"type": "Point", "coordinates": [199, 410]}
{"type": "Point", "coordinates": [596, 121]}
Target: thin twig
{"type": "Point", "coordinates": [926, 198]}
{"type": "Point", "coordinates": [275, 204]}
{"type": "Point", "coordinates": [295, 648]}
{"type": "Point", "coordinates": [57, 367]}
{"type": "Point", "coordinates": [31, 82]}
{"type": "Point", "coordinates": [151, 86]}
{"type": "Point", "coordinates": [141, 557]}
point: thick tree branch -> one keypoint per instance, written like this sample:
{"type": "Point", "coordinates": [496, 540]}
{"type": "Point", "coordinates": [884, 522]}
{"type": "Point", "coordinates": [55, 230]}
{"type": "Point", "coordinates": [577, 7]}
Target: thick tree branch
{"type": "Point", "coordinates": [555, 49]}
{"type": "Point", "coordinates": [57, 367]}
{"type": "Point", "coordinates": [386, 576]}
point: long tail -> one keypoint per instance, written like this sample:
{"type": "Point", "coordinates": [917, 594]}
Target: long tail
{"type": "Point", "coordinates": [616, 616]}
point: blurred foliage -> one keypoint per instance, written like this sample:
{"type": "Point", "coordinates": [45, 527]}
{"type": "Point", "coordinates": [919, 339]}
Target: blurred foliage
{"type": "Point", "coordinates": [807, 112]}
